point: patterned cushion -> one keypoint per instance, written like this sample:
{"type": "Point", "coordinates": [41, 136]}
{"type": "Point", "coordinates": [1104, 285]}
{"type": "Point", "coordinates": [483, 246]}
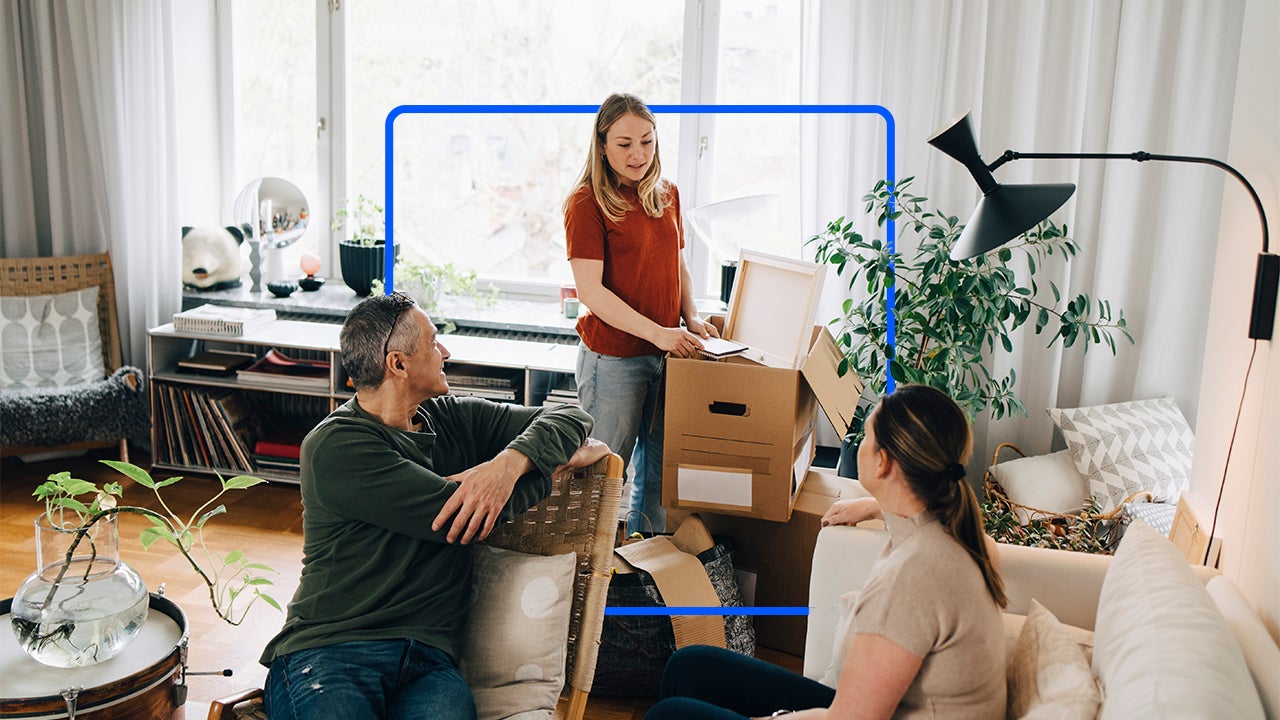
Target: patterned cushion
{"type": "Point", "coordinates": [1158, 515]}
{"type": "Point", "coordinates": [50, 340]}
{"type": "Point", "coordinates": [1127, 447]}
{"type": "Point", "coordinates": [516, 639]}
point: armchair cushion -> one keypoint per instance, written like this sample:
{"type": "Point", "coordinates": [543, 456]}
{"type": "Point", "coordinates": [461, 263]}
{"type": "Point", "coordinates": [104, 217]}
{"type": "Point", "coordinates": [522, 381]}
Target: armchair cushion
{"type": "Point", "coordinates": [50, 340]}
{"type": "Point", "coordinates": [1128, 447]}
{"type": "Point", "coordinates": [513, 654]}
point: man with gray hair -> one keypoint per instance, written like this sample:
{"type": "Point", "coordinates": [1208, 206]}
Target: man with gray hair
{"type": "Point", "coordinates": [396, 484]}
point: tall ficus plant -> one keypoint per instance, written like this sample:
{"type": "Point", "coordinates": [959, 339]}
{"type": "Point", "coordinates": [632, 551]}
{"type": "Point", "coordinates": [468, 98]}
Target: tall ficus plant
{"type": "Point", "coordinates": [951, 315]}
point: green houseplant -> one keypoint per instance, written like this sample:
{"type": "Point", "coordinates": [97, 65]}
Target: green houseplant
{"type": "Point", "coordinates": [362, 253]}
{"type": "Point", "coordinates": [83, 605]}
{"type": "Point", "coordinates": [950, 315]}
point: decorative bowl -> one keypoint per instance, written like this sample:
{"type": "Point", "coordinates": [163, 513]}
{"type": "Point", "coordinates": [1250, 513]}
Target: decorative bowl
{"type": "Point", "coordinates": [282, 288]}
{"type": "Point", "coordinates": [310, 282]}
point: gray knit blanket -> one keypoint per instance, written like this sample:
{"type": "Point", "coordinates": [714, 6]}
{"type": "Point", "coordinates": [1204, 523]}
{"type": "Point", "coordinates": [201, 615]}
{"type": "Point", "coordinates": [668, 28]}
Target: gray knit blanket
{"type": "Point", "coordinates": [102, 411]}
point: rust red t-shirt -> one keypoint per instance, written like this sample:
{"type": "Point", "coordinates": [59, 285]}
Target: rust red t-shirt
{"type": "Point", "coordinates": [641, 258]}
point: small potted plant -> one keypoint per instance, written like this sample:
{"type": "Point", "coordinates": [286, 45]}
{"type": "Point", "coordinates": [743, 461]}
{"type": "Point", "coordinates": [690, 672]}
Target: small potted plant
{"type": "Point", "coordinates": [83, 605]}
{"type": "Point", "coordinates": [428, 283]}
{"type": "Point", "coordinates": [362, 253]}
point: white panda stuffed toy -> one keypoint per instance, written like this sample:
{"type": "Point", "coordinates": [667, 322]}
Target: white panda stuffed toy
{"type": "Point", "coordinates": [211, 258]}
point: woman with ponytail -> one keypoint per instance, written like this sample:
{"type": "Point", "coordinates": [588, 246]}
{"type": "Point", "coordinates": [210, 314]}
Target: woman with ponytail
{"type": "Point", "coordinates": [926, 638]}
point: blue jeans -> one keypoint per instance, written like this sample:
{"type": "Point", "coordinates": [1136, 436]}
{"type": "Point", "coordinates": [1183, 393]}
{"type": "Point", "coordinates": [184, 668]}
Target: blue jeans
{"type": "Point", "coordinates": [621, 395]}
{"type": "Point", "coordinates": [711, 683]}
{"type": "Point", "coordinates": [367, 679]}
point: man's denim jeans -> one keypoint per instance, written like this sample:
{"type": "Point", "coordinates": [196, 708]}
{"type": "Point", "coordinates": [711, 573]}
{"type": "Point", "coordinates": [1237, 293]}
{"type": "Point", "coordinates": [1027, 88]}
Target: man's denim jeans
{"type": "Point", "coordinates": [367, 679]}
{"type": "Point", "coordinates": [621, 395]}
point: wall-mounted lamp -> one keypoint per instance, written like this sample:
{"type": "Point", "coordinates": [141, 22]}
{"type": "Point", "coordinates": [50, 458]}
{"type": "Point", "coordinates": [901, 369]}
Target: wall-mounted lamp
{"type": "Point", "coordinates": [1007, 211]}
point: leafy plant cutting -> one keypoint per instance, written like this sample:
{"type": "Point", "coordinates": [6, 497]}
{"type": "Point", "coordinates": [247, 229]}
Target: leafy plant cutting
{"type": "Point", "coordinates": [83, 605]}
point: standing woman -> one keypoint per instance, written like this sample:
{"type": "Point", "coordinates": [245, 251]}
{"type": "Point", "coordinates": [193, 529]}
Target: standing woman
{"type": "Point", "coordinates": [926, 639]}
{"type": "Point", "coordinates": [624, 238]}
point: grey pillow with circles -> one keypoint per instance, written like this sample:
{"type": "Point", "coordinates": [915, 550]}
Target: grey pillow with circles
{"type": "Point", "coordinates": [515, 641]}
{"type": "Point", "coordinates": [50, 340]}
{"type": "Point", "coordinates": [1127, 447]}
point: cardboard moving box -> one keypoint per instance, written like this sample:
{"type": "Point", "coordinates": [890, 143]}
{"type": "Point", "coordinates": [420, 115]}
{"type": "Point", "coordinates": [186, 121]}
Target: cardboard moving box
{"type": "Point", "coordinates": [739, 436]}
{"type": "Point", "coordinates": [780, 555]}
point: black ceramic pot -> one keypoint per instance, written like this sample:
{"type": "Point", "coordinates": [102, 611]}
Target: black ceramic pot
{"type": "Point", "coordinates": [848, 464]}
{"type": "Point", "coordinates": [362, 264]}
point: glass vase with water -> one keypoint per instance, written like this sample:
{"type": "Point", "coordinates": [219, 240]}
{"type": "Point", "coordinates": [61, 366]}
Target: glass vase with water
{"type": "Point", "coordinates": [82, 605]}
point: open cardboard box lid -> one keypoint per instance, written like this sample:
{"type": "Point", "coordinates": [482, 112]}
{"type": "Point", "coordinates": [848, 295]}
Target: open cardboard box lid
{"type": "Point", "coordinates": [837, 395]}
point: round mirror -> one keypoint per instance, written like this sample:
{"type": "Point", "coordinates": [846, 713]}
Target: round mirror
{"type": "Point", "coordinates": [274, 215]}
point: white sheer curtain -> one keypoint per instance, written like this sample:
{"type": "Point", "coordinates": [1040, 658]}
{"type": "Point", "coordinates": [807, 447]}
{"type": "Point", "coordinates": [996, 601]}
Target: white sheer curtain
{"type": "Point", "coordinates": [1049, 75]}
{"type": "Point", "coordinates": [87, 148]}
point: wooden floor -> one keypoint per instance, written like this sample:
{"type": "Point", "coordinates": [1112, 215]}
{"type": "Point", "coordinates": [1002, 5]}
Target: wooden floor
{"type": "Point", "coordinates": [265, 522]}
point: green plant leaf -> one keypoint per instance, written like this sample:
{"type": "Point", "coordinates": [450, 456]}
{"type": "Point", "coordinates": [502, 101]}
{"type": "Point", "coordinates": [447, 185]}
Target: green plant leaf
{"type": "Point", "coordinates": [232, 557]}
{"type": "Point", "coordinates": [241, 482]}
{"type": "Point", "coordinates": [131, 471]}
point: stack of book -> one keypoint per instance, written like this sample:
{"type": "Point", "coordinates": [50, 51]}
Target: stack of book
{"type": "Point", "coordinates": [278, 450]}
{"type": "Point", "coordinates": [278, 370]}
{"type": "Point", "coordinates": [498, 384]}
{"type": "Point", "coordinates": [216, 362]}
{"type": "Point", "coordinates": [564, 393]}
{"type": "Point", "coordinates": [222, 319]}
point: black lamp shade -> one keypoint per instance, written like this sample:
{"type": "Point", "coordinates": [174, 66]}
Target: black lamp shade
{"type": "Point", "coordinates": [1005, 213]}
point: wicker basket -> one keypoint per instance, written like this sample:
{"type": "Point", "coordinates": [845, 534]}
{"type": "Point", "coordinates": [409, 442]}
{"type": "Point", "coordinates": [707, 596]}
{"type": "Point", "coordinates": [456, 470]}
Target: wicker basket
{"type": "Point", "coordinates": [1105, 527]}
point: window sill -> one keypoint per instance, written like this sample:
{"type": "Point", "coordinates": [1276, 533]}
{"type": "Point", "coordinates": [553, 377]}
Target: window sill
{"type": "Point", "coordinates": [332, 302]}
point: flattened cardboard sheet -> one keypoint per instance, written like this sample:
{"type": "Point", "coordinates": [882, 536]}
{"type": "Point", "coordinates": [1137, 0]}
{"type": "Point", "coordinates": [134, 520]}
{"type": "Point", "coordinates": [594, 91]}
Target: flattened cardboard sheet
{"type": "Point", "coordinates": [683, 582]}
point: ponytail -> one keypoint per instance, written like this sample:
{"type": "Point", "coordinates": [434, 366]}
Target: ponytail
{"type": "Point", "coordinates": [927, 434]}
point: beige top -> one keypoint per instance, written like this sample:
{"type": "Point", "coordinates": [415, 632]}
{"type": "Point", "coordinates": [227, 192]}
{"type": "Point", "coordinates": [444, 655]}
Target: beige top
{"type": "Point", "coordinates": [927, 595]}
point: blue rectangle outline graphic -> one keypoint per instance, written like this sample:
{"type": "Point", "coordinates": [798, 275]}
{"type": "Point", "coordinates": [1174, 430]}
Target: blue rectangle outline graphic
{"type": "Point", "coordinates": [692, 109]}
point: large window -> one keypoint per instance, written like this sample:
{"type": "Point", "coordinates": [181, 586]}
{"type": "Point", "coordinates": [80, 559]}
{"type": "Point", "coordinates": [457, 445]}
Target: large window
{"type": "Point", "coordinates": [484, 191]}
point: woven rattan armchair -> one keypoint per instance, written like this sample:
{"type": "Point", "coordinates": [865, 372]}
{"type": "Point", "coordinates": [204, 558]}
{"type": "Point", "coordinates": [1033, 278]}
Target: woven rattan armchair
{"type": "Point", "coordinates": [580, 515]}
{"type": "Point", "coordinates": [21, 277]}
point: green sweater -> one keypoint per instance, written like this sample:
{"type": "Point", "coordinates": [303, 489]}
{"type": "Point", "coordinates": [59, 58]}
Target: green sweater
{"type": "Point", "coordinates": [372, 568]}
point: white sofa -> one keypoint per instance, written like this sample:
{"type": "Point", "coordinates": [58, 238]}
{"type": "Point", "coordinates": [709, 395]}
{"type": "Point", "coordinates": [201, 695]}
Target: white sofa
{"type": "Point", "coordinates": [1151, 622]}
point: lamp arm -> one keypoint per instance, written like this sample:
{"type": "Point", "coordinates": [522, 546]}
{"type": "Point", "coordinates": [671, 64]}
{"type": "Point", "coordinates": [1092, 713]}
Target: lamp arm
{"type": "Point", "coordinates": [1143, 156]}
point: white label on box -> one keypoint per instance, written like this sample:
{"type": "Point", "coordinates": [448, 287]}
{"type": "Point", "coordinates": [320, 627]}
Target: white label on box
{"type": "Point", "coordinates": [802, 465]}
{"type": "Point", "coordinates": [718, 486]}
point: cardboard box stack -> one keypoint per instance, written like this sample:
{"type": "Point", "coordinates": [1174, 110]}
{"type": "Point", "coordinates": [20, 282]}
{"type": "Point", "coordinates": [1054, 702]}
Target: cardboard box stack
{"type": "Point", "coordinates": [739, 431]}
{"type": "Point", "coordinates": [739, 437]}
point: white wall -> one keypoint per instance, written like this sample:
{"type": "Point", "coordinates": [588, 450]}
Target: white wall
{"type": "Point", "coordinates": [1251, 500]}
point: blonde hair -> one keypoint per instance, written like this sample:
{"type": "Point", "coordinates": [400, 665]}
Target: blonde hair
{"type": "Point", "coordinates": [603, 181]}
{"type": "Point", "coordinates": [927, 434]}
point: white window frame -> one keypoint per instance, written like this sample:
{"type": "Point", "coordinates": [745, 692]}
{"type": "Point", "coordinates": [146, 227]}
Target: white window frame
{"type": "Point", "coordinates": [696, 156]}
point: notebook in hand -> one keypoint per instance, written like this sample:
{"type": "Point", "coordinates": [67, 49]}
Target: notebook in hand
{"type": "Point", "coordinates": [719, 347]}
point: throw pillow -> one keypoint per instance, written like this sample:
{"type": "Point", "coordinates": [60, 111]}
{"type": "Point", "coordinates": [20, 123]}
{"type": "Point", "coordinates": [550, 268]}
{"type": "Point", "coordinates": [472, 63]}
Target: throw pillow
{"type": "Point", "coordinates": [514, 645]}
{"type": "Point", "coordinates": [1013, 623]}
{"type": "Point", "coordinates": [50, 340]}
{"type": "Point", "coordinates": [1048, 674]}
{"type": "Point", "coordinates": [1128, 447]}
{"type": "Point", "coordinates": [1045, 482]}
{"type": "Point", "coordinates": [1161, 646]}
{"type": "Point", "coordinates": [1158, 515]}
{"type": "Point", "coordinates": [844, 636]}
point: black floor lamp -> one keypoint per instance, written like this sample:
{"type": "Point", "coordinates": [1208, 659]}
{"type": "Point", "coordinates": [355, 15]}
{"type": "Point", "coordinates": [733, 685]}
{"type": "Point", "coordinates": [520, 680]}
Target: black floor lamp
{"type": "Point", "coordinates": [1007, 211]}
